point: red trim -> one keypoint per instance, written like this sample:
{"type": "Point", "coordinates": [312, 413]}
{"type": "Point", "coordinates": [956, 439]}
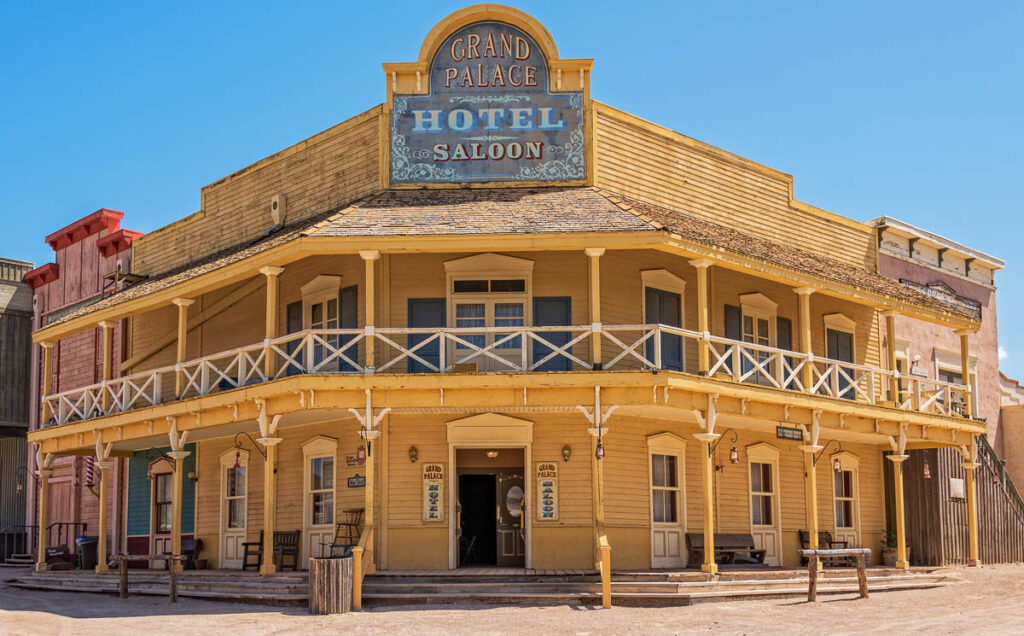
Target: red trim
{"type": "Point", "coordinates": [102, 219]}
{"type": "Point", "coordinates": [42, 275]}
{"type": "Point", "coordinates": [116, 242]}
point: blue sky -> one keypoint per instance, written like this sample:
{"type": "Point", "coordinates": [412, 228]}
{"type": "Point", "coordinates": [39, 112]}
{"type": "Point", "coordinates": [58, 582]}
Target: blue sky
{"type": "Point", "coordinates": [909, 109]}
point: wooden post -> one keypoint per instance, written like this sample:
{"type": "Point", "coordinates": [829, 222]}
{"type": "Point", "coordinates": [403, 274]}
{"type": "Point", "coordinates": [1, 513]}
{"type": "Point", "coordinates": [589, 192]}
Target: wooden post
{"type": "Point", "coordinates": [812, 578]}
{"type": "Point", "coordinates": [101, 548]}
{"type": "Point", "coordinates": [890, 351]}
{"type": "Point", "coordinates": [965, 369]}
{"type": "Point", "coordinates": [44, 390]}
{"type": "Point", "coordinates": [369, 258]}
{"type": "Point", "coordinates": [703, 266]}
{"type": "Point", "coordinates": [44, 492]}
{"type": "Point", "coordinates": [270, 321]}
{"type": "Point", "coordinates": [807, 374]}
{"type": "Point", "coordinates": [595, 254]}
{"type": "Point", "coordinates": [269, 503]}
{"type": "Point", "coordinates": [357, 578]}
{"type": "Point", "coordinates": [330, 586]}
{"type": "Point", "coordinates": [179, 377]}
{"type": "Point", "coordinates": [862, 575]}
{"type": "Point", "coordinates": [108, 359]}
{"type": "Point", "coordinates": [370, 437]}
{"type": "Point", "coordinates": [811, 494]}
{"type": "Point", "coordinates": [173, 567]}
{"type": "Point", "coordinates": [708, 470]}
{"type": "Point", "coordinates": [122, 568]}
{"type": "Point", "coordinates": [901, 519]}
{"type": "Point", "coordinates": [972, 514]}
{"type": "Point", "coordinates": [179, 464]}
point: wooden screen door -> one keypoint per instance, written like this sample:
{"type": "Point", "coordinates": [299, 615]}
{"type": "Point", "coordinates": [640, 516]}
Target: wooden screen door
{"type": "Point", "coordinates": [234, 491]}
{"type": "Point", "coordinates": [511, 508]}
{"type": "Point", "coordinates": [844, 496]}
{"type": "Point", "coordinates": [764, 509]}
{"type": "Point", "coordinates": [666, 511]}
{"type": "Point", "coordinates": [162, 509]}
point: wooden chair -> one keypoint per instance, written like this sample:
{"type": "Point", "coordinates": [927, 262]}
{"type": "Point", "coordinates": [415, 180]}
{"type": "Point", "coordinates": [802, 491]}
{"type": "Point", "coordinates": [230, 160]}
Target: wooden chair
{"type": "Point", "coordinates": [190, 549]}
{"type": "Point", "coordinates": [346, 534]}
{"type": "Point", "coordinates": [825, 542]}
{"type": "Point", "coordinates": [253, 549]}
{"type": "Point", "coordinates": [286, 544]}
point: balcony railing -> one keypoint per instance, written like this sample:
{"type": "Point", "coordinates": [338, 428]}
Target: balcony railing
{"type": "Point", "coordinates": [508, 350]}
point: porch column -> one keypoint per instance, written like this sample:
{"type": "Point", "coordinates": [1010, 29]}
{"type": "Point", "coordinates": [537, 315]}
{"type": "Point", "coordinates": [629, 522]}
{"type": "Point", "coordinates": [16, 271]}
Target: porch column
{"type": "Point", "coordinates": [370, 438]}
{"type": "Point", "coordinates": [179, 465]}
{"type": "Point", "coordinates": [44, 390]}
{"type": "Point", "coordinates": [807, 374]}
{"type": "Point", "coordinates": [369, 258]}
{"type": "Point", "coordinates": [901, 520]}
{"type": "Point", "coordinates": [965, 368]}
{"type": "Point", "coordinates": [595, 254]}
{"type": "Point", "coordinates": [269, 502]}
{"type": "Point", "coordinates": [972, 515]}
{"type": "Point", "coordinates": [708, 470]}
{"type": "Point", "coordinates": [703, 266]}
{"type": "Point", "coordinates": [270, 322]}
{"type": "Point", "coordinates": [890, 351]}
{"type": "Point", "coordinates": [44, 492]}
{"type": "Point", "coordinates": [811, 494]}
{"type": "Point", "coordinates": [179, 376]}
{"type": "Point", "coordinates": [101, 549]}
{"type": "Point", "coordinates": [108, 359]}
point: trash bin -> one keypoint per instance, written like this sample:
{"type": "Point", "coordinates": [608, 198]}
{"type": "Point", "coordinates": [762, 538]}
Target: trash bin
{"type": "Point", "coordinates": [86, 547]}
{"type": "Point", "coordinates": [330, 585]}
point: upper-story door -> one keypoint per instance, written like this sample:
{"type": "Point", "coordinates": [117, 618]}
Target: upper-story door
{"type": "Point", "coordinates": [665, 308]}
{"type": "Point", "coordinates": [552, 312]}
{"type": "Point", "coordinates": [425, 313]}
{"type": "Point", "coordinates": [840, 347]}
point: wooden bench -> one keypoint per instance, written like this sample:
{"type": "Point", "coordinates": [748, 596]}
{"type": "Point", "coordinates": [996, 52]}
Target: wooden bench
{"type": "Point", "coordinates": [825, 542]}
{"type": "Point", "coordinates": [730, 549]}
{"type": "Point", "coordinates": [861, 555]}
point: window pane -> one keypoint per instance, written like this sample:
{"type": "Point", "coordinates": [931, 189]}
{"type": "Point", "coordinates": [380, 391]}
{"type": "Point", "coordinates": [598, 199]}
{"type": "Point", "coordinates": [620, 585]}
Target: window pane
{"type": "Point", "coordinates": [838, 487]}
{"type": "Point", "coordinates": [316, 315]}
{"type": "Point", "coordinates": [163, 516]}
{"type": "Point", "coordinates": [323, 508]}
{"type": "Point", "coordinates": [755, 477]}
{"type": "Point", "coordinates": [658, 470]}
{"type": "Point", "coordinates": [658, 501]}
{"type": "Point", "coordinates": [328, 473]}
{"type": "Point", "coordinates": [469, 286]}
{"type": "Point", "coordinates": [762, 329]}
{"type": "Point", "coordinates": [670, 471]}
{"type": "Point", "coordinates": [163, 487]}
{"type": "Point", "coordinates": [236, 481]}
{"type": "Point", "coordinates": [748, 328]}
{"type": "Point", "coordinates": [766, 511]}
{"type": "Point", "coordinates": [847, 483]}
{"type": "Point", "coordinates": [766, 478]}
{"type": "Point", "coordinates": [508, 315]}
{"type": "Point", "coordinates": [515, 285]}
{"type": "Point", "coordinates": [236, 513]}
{"type": "Point", "coordinates": [316, 474]}
{"type": "Point", "coordinates": [470, 310]}
{"type": "Point", "coordinates": [332, 310]}
{"type": "Point", "coordinates": [755, 510]}
{"type": "Point", "coordinates": [671, 511]}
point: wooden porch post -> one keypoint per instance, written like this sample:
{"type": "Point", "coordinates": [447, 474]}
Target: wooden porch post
{"type": "Point", "coordinates": [370, 438]}
{"type": "Point", "coordinates": [595, 254]}
{"type": "Point", "coordinates": [269, 503]}
{"type": "Point", "coordinates": [44, 390]}
{"type": "Point", "coordinates": [179, 377]}
{"type": "Point", "coordinates": [270, 322]}
{"type": "Point", "coordinates": [108, 359]}
{"type": "Point", "coordinates": [708, 471]}
{"type": "Point", "coordinates": [176, 496]}
{"type": "Point", "coordinates": [901, 520]}
{"type": "Point", "coordinates": [369, 258]}
{"type": "Point", "coordinates": [44, 492]}
{"type": "Point", "coordinates": [807, 374]}
{"type": "Point", "coordinates": [101, 548]}
{"type": "Point", "coordinates": [811, 493]}
{"type": "Point", "coordinates": [972, 514]}
{"type": "Point", "coordinates": [703, 266]}
{"type": "Point", "coordinates": [890, 350]}
{"type": "Point", "coordinates": [965, 368]}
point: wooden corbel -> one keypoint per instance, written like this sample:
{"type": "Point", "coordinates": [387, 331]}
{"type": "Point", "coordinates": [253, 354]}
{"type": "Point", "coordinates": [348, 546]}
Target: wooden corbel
{"type": "Point", "coordinates": [369, 421]}
{"type": "Point", "coordinates": [268, 427]}
{"type": "Point", "coordinates": [177, 441]}
{"type": "Point", "coordinates": [597, 416]}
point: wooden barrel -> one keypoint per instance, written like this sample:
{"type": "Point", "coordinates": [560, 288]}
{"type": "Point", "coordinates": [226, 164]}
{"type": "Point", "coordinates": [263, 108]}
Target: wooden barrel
{"type": "Point", "coordinates": [330, 585]}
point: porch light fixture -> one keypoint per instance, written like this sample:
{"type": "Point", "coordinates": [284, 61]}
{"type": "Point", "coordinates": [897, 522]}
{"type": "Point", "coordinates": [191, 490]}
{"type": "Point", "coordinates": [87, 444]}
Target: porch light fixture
{"type": "Point", "coordinates": [414, 454]}
{"type": "Point", "coordinates": [22, 475]}
{"type": "Point", "coordinates": [238, 445]}
{"type": "Point", "coordinates": [238, 460]}
{"type": "Point", "coordinates": [734, 453]}
{"type": "Point", "coordinates": [927, 472]}
{"type": "Point", "coordinates": [599, 453]}
{"type": "Point", "coordinates": [492, 454]}
{"type": "Point", "coordinates": [837, 466]}
{"type": "Point", "coordinates": [995, 479]}
{"type": "Point", "coordinates": [361, 454]}
{"type": "Point", "coordinates": [566, 452]}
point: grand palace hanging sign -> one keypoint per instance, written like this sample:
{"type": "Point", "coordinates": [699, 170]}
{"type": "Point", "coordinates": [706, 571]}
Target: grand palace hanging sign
{"type": "Point", "coordinates": [487, 108]}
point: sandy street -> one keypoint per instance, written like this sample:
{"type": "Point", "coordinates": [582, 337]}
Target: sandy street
{"type": "Point", "coordinates": [988, 600]}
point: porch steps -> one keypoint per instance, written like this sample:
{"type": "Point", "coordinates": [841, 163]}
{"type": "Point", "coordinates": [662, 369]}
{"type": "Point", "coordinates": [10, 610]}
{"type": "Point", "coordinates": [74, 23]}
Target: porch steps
{"type": "Point", "coordinates": [20, 561]}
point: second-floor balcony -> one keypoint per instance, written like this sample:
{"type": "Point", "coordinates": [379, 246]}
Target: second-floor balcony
{"type": "Point", "coordinates": [516, 350]}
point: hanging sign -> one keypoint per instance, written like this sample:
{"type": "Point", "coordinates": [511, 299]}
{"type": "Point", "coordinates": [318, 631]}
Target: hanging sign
{"type": "Point", "coordinates": [357, 481]}
{"type": "Point", "coordinates": [547, 491]}
{"type": "Point", "coordinates": [786, 432]}
{"type": "Point", "coordinates": [488, 115]}
{"type": "Point", "coordinates": [433, 491]}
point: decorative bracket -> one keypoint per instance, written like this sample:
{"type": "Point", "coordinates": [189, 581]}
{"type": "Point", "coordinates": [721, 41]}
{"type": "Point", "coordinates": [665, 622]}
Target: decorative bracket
{"type": "Point", "coordinates": [268, 427]}
{"type": "Point", "coordinates": [369, 421]}
{"type": "Point", "coordinates": [596, 416]}
{"type": "Point", "coordinates": [177, 441]}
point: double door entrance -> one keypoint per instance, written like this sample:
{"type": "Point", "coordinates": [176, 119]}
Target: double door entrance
{"type": "Point", "coordinates": [491, 508]}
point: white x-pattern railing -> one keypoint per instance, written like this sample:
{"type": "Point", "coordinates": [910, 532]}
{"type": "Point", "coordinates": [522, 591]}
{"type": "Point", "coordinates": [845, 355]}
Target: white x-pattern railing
{"type": "Point", "coordinates": [504, 349]}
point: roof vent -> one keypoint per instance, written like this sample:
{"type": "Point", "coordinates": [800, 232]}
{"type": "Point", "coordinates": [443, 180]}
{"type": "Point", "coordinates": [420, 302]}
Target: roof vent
{"type": "Point", "coordinates": [278, 209]}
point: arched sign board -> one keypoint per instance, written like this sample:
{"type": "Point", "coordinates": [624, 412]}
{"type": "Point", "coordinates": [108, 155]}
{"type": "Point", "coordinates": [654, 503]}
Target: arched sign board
{"type": "Point", "coordinates": [488, 114]}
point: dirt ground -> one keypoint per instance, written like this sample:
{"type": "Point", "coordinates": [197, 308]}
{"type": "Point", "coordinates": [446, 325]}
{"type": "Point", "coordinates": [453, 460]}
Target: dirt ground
{"type": "Point", "coordinates": [987, 600]}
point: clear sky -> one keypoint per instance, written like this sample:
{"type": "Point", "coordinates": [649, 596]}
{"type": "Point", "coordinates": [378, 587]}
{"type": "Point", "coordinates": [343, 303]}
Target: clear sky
{"type": "Point", "coordinates": [909, 109]}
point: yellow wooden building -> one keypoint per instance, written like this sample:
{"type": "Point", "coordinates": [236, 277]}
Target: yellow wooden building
{"type": "Point", "coordinates": [509, 325]}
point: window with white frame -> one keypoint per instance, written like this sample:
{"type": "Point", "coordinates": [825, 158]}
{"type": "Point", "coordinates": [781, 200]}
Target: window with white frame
{"type": "Point", "coordinates": [321, 490]}
{"type": "Point", "coordinates": [321, 311]}
{"type": "Point", "coordinates": [948, 368]}
{"type": "Point", "coordinates": [234, 495]}
{"type": "Point", "coordinates": [759, 315]}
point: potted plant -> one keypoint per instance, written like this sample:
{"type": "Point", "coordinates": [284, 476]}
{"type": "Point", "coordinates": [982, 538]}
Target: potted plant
{"type": "Point", "coordinates": [889, 545]}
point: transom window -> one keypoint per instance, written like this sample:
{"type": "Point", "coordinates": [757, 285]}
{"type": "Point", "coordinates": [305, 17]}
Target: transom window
{"type": "Point", "coordinates": [321, 489]}
{"type": "Point", "coordinates": [234, 496]}
{"type": "Point", "coordinates": [761, 494]}
{"type": "Point", "coordinates": [665, 488]}
{"type": "Point", "coordinates": [489, 286]}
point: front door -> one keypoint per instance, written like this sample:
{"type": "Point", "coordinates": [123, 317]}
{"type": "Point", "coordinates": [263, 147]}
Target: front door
{"type": "Point", "coordinates": [234, 486]}
{"type": "Point", "coordinates": [511, 531]}
{"type": "Point", "coordinates": [319, 524]}
{"type": "Point", "coordinates": [665, 308]}
{"type": "Point", "coordinates": [666, 511]}
{"type": "Point", "coordinates": [845, 498]}
{"type": "Point", "coordinates": [764, 510]}
{"type": "Point", "coordinates": [163, 511]}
